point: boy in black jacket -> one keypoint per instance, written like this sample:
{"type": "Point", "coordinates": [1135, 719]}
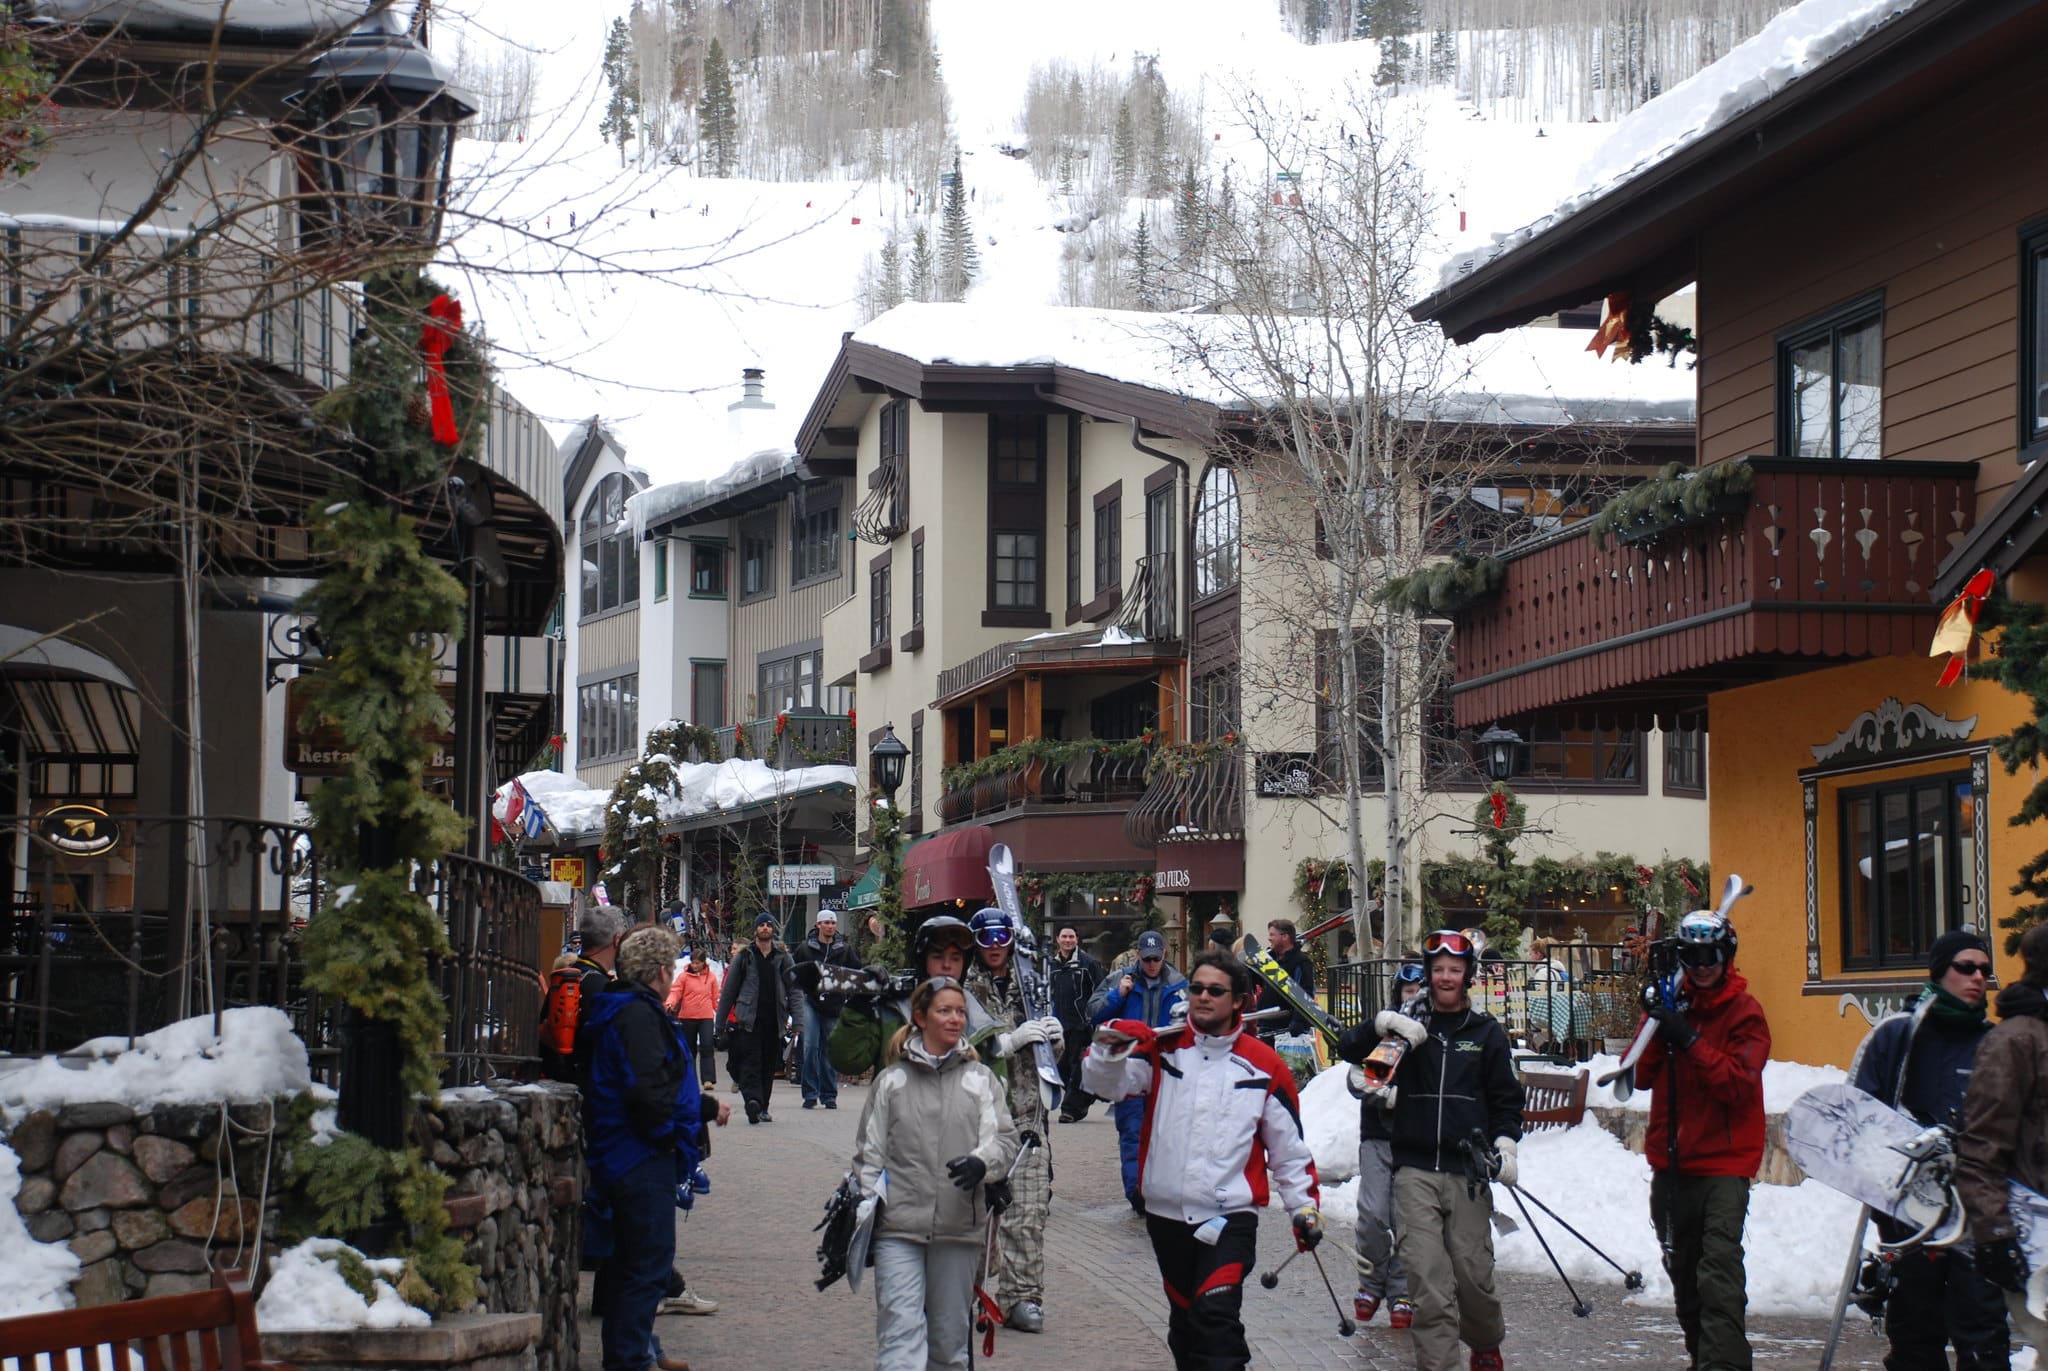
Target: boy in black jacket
{"type": "Point", "coordinates": [1455, 1089]}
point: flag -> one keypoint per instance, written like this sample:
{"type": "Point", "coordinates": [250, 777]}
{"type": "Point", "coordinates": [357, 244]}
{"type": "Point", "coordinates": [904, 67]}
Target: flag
{"type": "Point", "coordinates": [523, 814]}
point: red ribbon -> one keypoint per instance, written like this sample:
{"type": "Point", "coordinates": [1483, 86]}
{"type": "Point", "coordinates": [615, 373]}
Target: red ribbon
{"type": "Point", "coordinates": [444, 323]}
{"type": "Point", "coordinates": [1500, 810]}
{"type": "Point", "coordinates": [1958, 625]}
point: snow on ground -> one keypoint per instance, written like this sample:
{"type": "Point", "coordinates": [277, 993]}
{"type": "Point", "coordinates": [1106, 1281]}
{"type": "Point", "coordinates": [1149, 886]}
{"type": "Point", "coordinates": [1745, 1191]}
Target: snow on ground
{"type": "Point", "coordinates": [705, 787]}
{"type": "Point", "coordinates": [1784, 1082]}
{"type": "Point", "coordinates": [255, 1057]}
{"type": "Point", "coordinates": [306, 1292]}
{"type": "Point", "coordinates": [35, 1277]}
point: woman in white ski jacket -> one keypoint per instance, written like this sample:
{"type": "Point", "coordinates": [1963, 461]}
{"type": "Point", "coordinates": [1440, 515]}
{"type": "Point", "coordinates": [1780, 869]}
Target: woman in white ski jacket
{"type": "Point", "coordinates": [936, 1126]}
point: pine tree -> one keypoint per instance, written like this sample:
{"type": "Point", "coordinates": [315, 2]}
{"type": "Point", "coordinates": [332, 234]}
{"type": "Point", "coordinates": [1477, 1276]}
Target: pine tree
{"type": "Point", "coordinates": [1124, 148]}
{"type": "Point", "coordinates": [1393, 60]}
{"type": "Point", "coordinates": [923, 273]}
{"type": "Point", "coordinates": [959, 261]}
{"type": "Point", "coordinates": [1443, 56]}
{"type": "Point", "coordinates": [717, 115]}
{"type": "Point", "coordinates": [1158, 161]}
{"type": "Point", "coordinates": [1066, 169]}
{"type": "Point", "coordinates": [1190, 222]}
{"type": "Point", "coordinates": [1142, 284]}
{"type": "Point", "coordinates": [622, 106]}
{"type": "Point", "coordinates": [1315, 18]}
{"type": "Point", "coordinates": [890, 288]}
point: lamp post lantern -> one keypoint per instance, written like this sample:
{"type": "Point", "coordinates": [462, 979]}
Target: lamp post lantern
{"type": "Point", "coordinates": [888, 757]}
{"type": "Point", "coordinates": [1499, 745]}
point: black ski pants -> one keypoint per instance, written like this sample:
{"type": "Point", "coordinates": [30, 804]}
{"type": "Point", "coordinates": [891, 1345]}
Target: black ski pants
{"type": "Point", "coordinates": [1076, 1101]}
{"type": "Point", "coordinates": [1699, 1223]}
{"type": "Point", "coordinates": [756, 1057]}
{"type": "Point", "coordinates": [1939, 1299]}
{"type": "Point", "coordinates": [1205, 1290]}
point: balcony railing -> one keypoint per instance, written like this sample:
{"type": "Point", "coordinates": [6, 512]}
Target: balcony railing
{"type": "Point", "coordinates": [1196, 795]}
{"type": "Point", "coordinates": [1828, 561]}
{"type": "Point", "coordinates": [880, 516]}
{"type": "Point", "coordinates": [806, 740]}
{"type": "Point", "coordinates": [85, 957]}
{"type": "Point", "coordinates": [1084, 776]}
{"type": "Point", "coordinates": [62, 288]}
{"type": "Point", "coordinates": [1149, 607]}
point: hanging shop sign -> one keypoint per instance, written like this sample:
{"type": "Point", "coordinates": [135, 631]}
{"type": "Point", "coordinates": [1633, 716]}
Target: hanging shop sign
{"type": "Point", "coordinates": [568, 870]}
{"type": "Point", "coordinates": [315, 749]}
{"type": "Point", "coordinates": [79, 830]}
{"type": "Point", "coordinates": [800, 880]}
{"type": "Point", "coordinates": [1203, 866]}
{"type": "Point", "coordinates": [1285, 775]}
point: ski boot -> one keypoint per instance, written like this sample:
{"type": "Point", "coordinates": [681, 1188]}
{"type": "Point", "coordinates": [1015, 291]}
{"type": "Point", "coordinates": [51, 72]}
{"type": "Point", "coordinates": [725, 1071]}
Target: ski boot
{"type": "Point", "coordinates": [1026, 1316]}
{"type": "Point", "coordinates": [1364, 1305]}
{"type": "Point", "coordinates": [1401, 1314]}
{"type": "Point", "coordinates": [1489, 1360]}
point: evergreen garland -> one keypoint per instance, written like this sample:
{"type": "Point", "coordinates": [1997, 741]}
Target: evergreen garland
{"type": "Point", "coordinates": [2021, 666]}
{"type": "Point", "coordinates": [25, 109]}
{"type": "Point", "coordinates": [1445, 587]}
{"type": "Point", "coordinates": [1051, 751]}
{"type": "Point", "coordinates": [380, 605]}
{"type": "Point", "coordinates": [893, 948]}
{"type": "Point", "coordinates": [1676, 497]}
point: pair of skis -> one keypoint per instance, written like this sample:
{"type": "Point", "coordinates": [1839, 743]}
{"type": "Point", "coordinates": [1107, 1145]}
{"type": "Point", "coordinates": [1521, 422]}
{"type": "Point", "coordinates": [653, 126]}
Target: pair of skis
{"type": "Point", "coordinates": [1037, 993]}
{"type": "Point", "coordinates": [1623, 1078]}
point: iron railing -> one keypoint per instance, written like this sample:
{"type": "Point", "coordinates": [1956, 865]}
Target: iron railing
{"type": "Point", "coordinates": [1199, 797]}
{"type": "Point", "coordinates": [86, 953]}
{"type": "Point", "coordinates": [1090, 778]}
{"type": "Point", "coordinates": [1149, 608]}
{"type": "Point", "coordinates": [805, 740]}
{"type": "Point", "coordinates": [1571, 1005]}
{"type": "Point", "coordinates": [882, 512]}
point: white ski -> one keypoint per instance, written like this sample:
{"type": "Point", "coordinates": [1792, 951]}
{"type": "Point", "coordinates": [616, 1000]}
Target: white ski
{"type": "Point", "coordinates": [1002, 878]}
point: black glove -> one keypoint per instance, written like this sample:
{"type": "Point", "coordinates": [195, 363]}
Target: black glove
{"type": "Point", "coordinates": [996, 1195]}
{"type": "Point", "coordinates": [2003, 1264]}
{"type": "Point", "coordinates": [967, 1170]}
{"type": "Point", "coordinates": [721, 1038]}
{"type": "Point", "coordinates": [1308, 1230]}
{"type": "Point", "coordinates": [1672, 1025]}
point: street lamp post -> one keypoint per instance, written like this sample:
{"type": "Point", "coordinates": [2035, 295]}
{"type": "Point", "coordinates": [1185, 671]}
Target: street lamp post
{"type": "Point", "coordinates": [1499, 745]}
{"type": "Point", "coordinates": [886, 761]}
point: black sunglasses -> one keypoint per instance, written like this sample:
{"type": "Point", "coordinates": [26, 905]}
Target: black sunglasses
{"type": "Point", "coordinates": [1971, 968]}
{"type": "Point", "coordinates": [1219, 991]}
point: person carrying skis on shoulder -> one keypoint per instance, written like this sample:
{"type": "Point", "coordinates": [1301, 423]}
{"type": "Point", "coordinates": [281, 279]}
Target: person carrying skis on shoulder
{"type": "Point", "coordinates": [940, 946]}
{"type": "Point", "coordinates": [1920, 1062]}
{"type": "Point", "coordinates": [1705, 1069]}
{"type": "Point", "coordinates": [2005, 1132]}
{"type": "Point", "coordinates": [1455, 1088]}
{"type": "Point", "coordinates": [1007, 1043]}
{"type": "Point", "coordinates": [1148, 992]}
{"type": "Point", "coordinates": [1380, 1273]}
{"type": "Point", "coordinates": [1222, 1122]}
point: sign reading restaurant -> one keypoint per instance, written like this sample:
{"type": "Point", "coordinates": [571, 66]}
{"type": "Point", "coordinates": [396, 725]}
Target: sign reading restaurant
{"type": "Point", "coordinates": [314, 749]}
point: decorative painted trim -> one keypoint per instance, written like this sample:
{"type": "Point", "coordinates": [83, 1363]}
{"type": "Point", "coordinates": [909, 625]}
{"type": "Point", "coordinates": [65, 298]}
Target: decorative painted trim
{"type": "Point", "coordinates": [1980, 797]}
{"type": "Point", "coordinates": [1811, 801]}
{"type": "Point", "coordinates": [1894, 729]}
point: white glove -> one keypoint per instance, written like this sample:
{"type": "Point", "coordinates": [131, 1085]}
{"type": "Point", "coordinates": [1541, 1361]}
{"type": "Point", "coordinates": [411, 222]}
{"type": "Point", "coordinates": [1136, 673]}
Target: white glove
{"type": "Point", "coordinates": [1022, 1036]}
{"type": "Point", "coordinates": [1394, 1021]}
{"type": "Point", "coordinates": [1506, 1175]}
{"type": "Point", "coordinates": [1054, 1034]}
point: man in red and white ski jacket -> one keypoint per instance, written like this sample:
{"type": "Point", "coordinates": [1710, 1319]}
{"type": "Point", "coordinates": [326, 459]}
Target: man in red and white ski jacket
{"type": "Point", "coordinates": [1221, 1117]}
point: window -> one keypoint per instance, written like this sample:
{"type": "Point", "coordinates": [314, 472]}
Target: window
{"type": "Point", "coordinates": [814, 538]}
{"type": "Point", "coordinates": [1905, 846]}
{"type": "Point", "coordinates": [1073, 514]}
{"type": "Point", "coordinates": [878, 602]}
{"type": "Point", "coordinates": [707, 694]}
{"type": "Point", "coordinates": [896, 459]}
{"type": "Point", "coordinates": [1212, 705]}
{"type": "Point", "coordinates": [1016, 522]}
{"type": "Point", "coordinates": [792, 683]}
{"type": "Point", "coordinates": [757, 556]}
{"type": "Point", "coordinates": [1016, 571]}
{"type": "Point", "coordinates": [1685, 757]}
{"type": "Point", "coordinates": [914, 813]}
{"type": "Point", "coordinates": [2034, 337]}
{"type": "Point", "coordinates": [661, 568]}
{"type": "Point", "coordinates": [1016, 450]}
{"type": "Point", "coordinates": [777, 694]}
{"type": "Point", "coordinates": [611, 559]}
{"type": "Point", "coordinates": [607, 719]}
{"type": "Point", "coordinates": [1830, 385]}
{"type": "Point", "coordinates": [917, 580]}
{"type": "Point", "coordinates": [1109, 540]}
{"type": "Point", "coordinates": [1216, 532]}
{"type": "Point", "coordinates": [707, 570]}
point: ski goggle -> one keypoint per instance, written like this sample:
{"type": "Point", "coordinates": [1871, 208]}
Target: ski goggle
{"type": "Point", "coordinates": [1448, 940]}
{"type": "Point", "coordinates": [1408, 973]}
{"type": "Point", "coordinates": [992, 935]}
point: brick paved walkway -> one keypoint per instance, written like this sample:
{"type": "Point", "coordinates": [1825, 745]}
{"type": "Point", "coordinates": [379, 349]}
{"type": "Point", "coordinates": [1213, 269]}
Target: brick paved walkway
{"type": "Point", "coordinates": [749, 1244]}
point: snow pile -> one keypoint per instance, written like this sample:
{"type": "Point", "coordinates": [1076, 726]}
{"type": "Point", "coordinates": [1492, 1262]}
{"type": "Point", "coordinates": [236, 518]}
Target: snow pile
{"type": "Point", "coordinates": [35, 1277]}
{"type": "Point", "coordinates": [1784, 1082]}
{"type": "Point", "coordinates": [1329, 1117]}
{"type": "Point", "coordinates": [1790, 46]}
{"type": "Point", "coordinates": [255, 1057]}
{"type": "Point", "coordinates": [701, 788]}
{"type": "Point", "coordinates": [308, 1293]}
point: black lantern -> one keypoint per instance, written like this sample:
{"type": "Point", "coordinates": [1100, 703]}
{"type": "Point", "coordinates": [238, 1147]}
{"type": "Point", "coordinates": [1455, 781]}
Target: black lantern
{"type": "Point", "coordinates": [373, 129]}
{"type": "Point", "coordinates": [888, 757]}
{"type": "Point", "coordinates": [1499, 745]}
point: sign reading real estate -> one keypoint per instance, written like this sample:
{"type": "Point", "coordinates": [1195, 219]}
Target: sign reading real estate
{"type": "Point", "coordinates": [800, 880]}
{"type": "Point", "coordinates": [314, 749]}
{"type": "Point", "coordinates": [1285, 775]}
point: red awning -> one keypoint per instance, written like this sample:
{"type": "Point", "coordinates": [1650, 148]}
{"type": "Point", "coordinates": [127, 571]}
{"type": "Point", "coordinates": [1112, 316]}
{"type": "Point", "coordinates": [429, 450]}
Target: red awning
{"type": "Point", "coordinates": [951, 866]}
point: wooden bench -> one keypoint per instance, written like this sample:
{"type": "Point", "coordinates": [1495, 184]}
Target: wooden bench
{"type": "Point", "coordinates": [1552, 1099]}
{"type": "Point", "coordinates": [209, 1330]}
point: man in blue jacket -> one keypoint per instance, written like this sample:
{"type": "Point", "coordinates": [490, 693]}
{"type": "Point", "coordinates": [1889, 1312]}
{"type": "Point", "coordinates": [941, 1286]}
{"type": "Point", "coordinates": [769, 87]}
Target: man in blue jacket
{"type": "Point", "coordinates": [644, 1120]}
{"type": "Point", "coordinates": [1147, 993]}
{"type": "Point", "coordinates": [1920, 1062]}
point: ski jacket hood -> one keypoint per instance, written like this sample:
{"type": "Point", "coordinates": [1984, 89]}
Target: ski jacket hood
{"type": "Point", "coordinates": [643, 1098]}
{"type": "Point", "coordinates": [1459, 1079]}
{"type": "Point", "coordinates": [922, 1112]}
{"type": "Point", "coordinates": [1710, 1097]}
{"type": "Point", "coordinates": [2005, 1115]}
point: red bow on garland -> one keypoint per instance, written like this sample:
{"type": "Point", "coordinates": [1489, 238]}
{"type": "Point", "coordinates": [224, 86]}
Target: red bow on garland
{"type": "Point", "coordinates": [1613, 330]}
{"type": "Point", "coordinates": [444, 323]}
{"type": "Point", "coordinates": [1958, 625]}
{"type": "Point", "coordinates": [1500, 810]}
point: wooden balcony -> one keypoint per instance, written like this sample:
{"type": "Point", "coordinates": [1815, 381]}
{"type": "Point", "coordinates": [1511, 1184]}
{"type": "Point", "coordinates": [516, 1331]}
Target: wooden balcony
{"type": "Point", "coordinates": [805, 740]}
{"type": "Point", "coordinates": [1829, 562]}
{"type": "Point", "coordinates": [1086, 777]}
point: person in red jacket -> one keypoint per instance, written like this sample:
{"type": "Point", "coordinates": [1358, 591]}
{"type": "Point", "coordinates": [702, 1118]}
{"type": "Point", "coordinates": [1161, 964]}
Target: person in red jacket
{"type": "Point", "coordinates": [1706, 1139]}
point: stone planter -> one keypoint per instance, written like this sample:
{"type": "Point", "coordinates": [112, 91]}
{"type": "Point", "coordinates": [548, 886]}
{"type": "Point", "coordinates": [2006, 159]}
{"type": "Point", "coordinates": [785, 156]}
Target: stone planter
{"type": "Point", "coordinates": [465, 1342]}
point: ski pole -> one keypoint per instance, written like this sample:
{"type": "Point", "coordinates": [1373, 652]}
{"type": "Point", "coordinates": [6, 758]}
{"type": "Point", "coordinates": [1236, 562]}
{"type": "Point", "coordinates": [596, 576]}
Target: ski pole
{"type": "Point", "coordinates": [1345, 1327]}
{"type": "Point", "coordinates": [1579, 1306]}
{"type": "Point", "coordinates": [1631, 1280]}
{"type": "Point", "coordinates": [1272, 1278]}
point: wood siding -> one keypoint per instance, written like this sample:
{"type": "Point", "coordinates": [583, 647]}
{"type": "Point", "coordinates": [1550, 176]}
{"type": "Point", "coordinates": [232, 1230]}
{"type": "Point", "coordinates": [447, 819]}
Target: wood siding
{"type": "Point", "coordinates": [769, 627]}
{"type": "Point", "coordinates": [1929, 213]}
{"type": "Point", "coordinates": [604, 645]}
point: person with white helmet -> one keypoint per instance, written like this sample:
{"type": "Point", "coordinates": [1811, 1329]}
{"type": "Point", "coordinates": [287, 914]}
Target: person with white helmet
{"type": "Point", "coordinates": [1705, 1067]}
{"type": "Point", "coordinates": [941, 946]}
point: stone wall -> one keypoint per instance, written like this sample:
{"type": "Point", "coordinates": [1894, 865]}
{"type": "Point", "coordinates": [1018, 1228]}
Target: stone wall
{"type": "Point", "coordinates": [152, 1200]}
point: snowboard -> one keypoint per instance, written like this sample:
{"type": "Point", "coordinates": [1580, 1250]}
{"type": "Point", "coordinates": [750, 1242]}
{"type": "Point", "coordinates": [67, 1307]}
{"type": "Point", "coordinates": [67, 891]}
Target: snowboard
{"type": "Point", "coordinates": [2030, 1220]}
{"type": "Point", "coordinates": [1856, 1143]}
{"type": "Point", "coordinates": [1275, 978]}
{"type": "Point", "coordinates": [1002, 877]}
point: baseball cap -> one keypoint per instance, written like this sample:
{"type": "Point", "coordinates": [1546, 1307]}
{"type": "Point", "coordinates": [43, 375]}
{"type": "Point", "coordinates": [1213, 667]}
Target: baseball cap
{"type": "Point", "coordinates": [828, 916]}
{"type": "Point", "coordinates": [1151, 944]}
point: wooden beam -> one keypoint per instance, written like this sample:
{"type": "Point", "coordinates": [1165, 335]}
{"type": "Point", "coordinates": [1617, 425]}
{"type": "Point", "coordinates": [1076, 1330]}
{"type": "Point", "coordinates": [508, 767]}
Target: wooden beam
{"type": "Point", "coordinates": [981, 747]}
{"type": "Point", "coordinates": [1171, 725]}
{"type": "Point", "coordinates": [1033, 725]}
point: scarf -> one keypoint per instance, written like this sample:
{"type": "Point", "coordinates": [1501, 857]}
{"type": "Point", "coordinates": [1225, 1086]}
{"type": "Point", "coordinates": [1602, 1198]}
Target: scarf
{"type": "Point", "coordinates": [1953, 1013]}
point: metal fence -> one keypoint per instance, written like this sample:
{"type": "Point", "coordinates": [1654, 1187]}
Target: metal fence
{"type": "Point", "coordinates": [1571, 1005]}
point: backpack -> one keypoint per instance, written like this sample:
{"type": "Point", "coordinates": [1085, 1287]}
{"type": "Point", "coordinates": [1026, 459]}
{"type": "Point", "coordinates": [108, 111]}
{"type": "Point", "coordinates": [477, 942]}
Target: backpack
{"type": "Point", "coordinates": [558, 1018]}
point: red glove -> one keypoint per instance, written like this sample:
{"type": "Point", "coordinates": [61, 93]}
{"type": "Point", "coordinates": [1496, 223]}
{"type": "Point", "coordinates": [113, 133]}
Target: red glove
{"type": "Point", "coordinates": [1120, 1037]}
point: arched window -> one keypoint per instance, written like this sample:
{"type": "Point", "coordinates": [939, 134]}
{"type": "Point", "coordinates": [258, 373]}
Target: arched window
{"type": "Point", "coordinates": [611, 556]}
{"type": "Point", "coordinates": [1216, 532]}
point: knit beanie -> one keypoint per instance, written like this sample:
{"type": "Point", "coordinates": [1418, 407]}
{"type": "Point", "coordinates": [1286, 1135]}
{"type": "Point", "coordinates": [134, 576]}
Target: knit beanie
{"type": "Point", "coordinates": [1948, 945]}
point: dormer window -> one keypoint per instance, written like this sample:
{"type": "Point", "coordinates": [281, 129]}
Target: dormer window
{"type": "Point", "coordinates": [611, 556]}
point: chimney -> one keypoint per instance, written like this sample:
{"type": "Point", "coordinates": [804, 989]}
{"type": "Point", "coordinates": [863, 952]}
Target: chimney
{"type": "Point", "coordinates": [752, 419]}
{"type": "Point", "coordinates": [750, 391]}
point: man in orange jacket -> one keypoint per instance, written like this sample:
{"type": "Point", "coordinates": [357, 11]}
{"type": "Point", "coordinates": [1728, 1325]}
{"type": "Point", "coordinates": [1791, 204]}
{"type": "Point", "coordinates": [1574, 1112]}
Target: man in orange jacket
{"type": "Point", "coordinates": [1706, 1138]}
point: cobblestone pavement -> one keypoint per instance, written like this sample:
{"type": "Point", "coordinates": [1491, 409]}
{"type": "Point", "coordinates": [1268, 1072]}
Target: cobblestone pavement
{"type": "Point", "coordinates": [749, 1245]}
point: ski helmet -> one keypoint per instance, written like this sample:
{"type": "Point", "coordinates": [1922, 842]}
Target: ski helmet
{"type": "Point", "coordinates": [1450, 942]}
{"type": "Point", "coordinates": [992, 928]}
{"type": "Point", "coordinates": [940, 930]}
{"type": "Point", "coordinates": [1706, 938]}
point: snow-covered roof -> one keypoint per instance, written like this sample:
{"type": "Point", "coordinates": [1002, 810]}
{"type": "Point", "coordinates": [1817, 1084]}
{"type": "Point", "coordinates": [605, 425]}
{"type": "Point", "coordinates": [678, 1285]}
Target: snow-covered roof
{"type": "Point", "coordinates": [280, 18]}
{"type": "Point", "coordinates": [1540, 376]}
{"type": "Point", "coordinates": [757, 471]}
{"type": "Point", "coordinates": [1788, 48]}
{"type": "Point", "coordinates": [575, 811]}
